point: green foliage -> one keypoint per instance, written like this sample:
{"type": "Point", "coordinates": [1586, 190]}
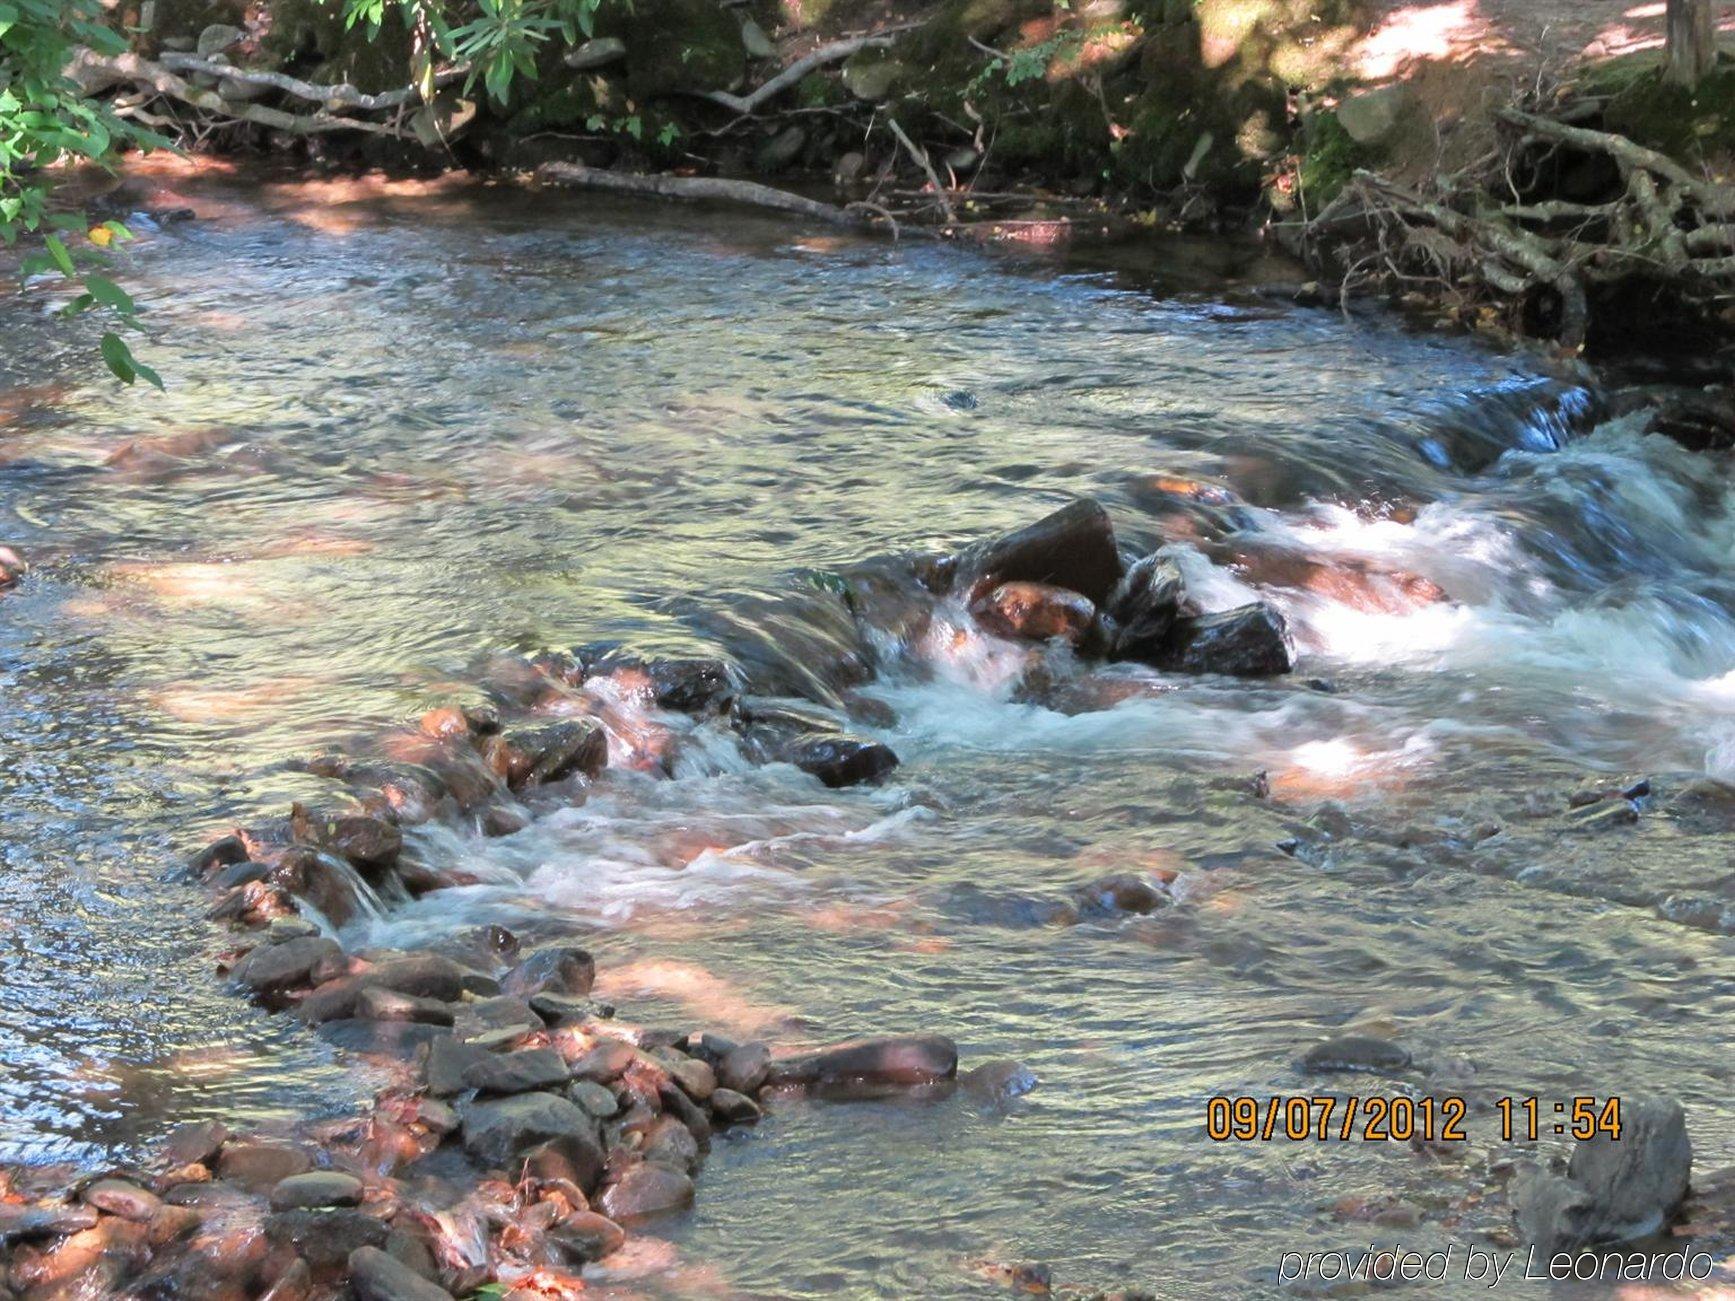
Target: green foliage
{"type": "Point", "coordinates": [1329, 159]}
{"type": "Point", "coordinates": [498, 39]}
{"type": "Point", "coordinates": [45, 120]}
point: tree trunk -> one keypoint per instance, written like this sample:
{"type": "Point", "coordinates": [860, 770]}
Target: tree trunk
{"type": "Point", "coordinates": [1692, 41]}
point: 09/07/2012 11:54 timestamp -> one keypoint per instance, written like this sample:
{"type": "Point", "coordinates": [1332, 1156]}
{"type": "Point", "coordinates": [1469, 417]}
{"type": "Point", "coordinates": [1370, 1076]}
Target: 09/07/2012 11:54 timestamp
{"type": "Point", "coordinates": [1376, 1118]}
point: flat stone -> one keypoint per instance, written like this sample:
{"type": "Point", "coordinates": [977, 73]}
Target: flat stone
{"type": "Point", "coordinates": [376, 1004]}
{"type": "Point", "coordinates": [898, 1059]}
{"type": "Point", "coordinates": [275, 968]}
{"type": "Point", "coordinates": [448, 1059]}
{"type": "Point", "coordinates": [646, 1190]}
{"type": "Point", "coordinates": [257, 1166]}
{"type": "Point", "coordinates": [503, 1012]}
{"type": "Point", "coordinates": [521, 1072]}
{"type": "Point", "coordinates": [24, 1223]}
{"type": "Point", "coordinates": [605, 1062]}
{"type": "Point", "coordinates": [376, 1276]}
{"type": "Point", "coordinates": [1356, 1052]}
{"type": "Point", "coordinates": [497, 1130]}
{"type": "Point", "coordinates": [195, 1143]}
{"type": "Point", "coordinates": [423, 975]}
{"type": "Point", "coordinates": [594, 1098]}
{"type": "Point", "coordinates": [316, 1188]}
{"type": "Point", "coordinates": [118, 1197]}
{"type": "Point", "coordinates": [564, 1009]}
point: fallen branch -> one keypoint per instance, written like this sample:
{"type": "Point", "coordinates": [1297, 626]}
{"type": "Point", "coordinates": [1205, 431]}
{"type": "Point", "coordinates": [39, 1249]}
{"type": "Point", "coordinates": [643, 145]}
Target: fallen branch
{"type": "Point", "coordinates": [342, 95]}
{"type": "Point", "coordinates": [153, 76]}
{"type": "Point", "coordinates": [701, 189]}
{"type": "Point", "coordinates": [824, 56]}
{"type": "Point", "coordinates": [921, 157]}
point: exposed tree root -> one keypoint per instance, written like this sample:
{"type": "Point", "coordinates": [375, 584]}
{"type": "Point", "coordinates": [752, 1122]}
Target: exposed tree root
{"type": "Point", "coordinates": [1542, 262]}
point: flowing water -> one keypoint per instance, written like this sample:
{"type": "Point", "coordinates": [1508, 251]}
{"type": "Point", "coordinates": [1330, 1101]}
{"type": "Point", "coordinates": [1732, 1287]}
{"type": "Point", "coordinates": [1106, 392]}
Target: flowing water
{"type": "Point", "coordinates": [404, 432]}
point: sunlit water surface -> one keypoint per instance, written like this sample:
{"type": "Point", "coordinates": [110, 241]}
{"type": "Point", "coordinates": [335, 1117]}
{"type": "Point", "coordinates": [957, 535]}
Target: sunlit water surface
{"type": "Point", "coordinates": [401, 433]}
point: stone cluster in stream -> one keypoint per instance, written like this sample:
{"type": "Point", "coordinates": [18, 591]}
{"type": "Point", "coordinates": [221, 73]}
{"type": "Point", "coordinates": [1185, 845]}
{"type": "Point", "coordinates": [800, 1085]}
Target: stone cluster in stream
{"type": "Point", "coordinates": [526, 1126]}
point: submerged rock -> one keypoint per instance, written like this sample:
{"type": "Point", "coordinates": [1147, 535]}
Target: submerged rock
{"type": "Point", "coordinates": [1356, 1052]}
{"type": "Point", "coordinates": [314, 1189]}
{"type": "Point", "coordinates": [1073, 548]}
{"type": "Point", "coordinates": [1123, 892]}
{"type": "Point", "coordinates": [374, 1275]}
{"type": "Point", "coordinates": [841, 760]}
{"type": "Point", "coordinates": [535, 755]}
{"type": "Point", "coordinates": [551, 969]}
{"type": "Point", "coordinates": [900, 1059]}
{"type": "Point", "coordinates": [1615, 1189]}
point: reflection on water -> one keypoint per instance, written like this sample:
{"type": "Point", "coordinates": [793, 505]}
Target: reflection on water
{"type": "Point", "coordinates": [404, 433]}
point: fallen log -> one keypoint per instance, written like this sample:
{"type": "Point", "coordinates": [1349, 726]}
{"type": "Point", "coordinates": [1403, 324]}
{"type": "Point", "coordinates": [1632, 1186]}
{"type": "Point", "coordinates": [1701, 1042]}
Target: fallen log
{"type": "Point", "coordinates": [824, 56]}
{"type": "Point", "coordinates": [704, 189]}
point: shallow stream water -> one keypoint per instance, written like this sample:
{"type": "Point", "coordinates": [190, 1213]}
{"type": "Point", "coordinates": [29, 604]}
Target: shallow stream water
{"type": "Point", "coordinates": [407, 430]}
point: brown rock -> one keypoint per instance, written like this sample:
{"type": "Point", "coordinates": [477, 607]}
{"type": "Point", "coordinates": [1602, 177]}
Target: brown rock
{"type": "Point", "coordinates": [258, 1166]}
{"type": "Point", "coordinates": [195, 1143]}
{"type": "Point", "coordinates": [745, 1068]}
{"type": "Point", "coordinates": [316, 1188]}
{"type": "Point", "coordinates": [605, 1062]}
{"type": "Point", "coordinates": [276, 968]}
{"type": "Point", "coordinates": [586, 1236]}
{"type": "Point", "coordinates": [376, 1276]}
{"type": "Point", "coordinates": [118, 1197]}
{"type": "Point", "coordinates": [646, 1190]}
{"type": "Point", "coordinates": [1035, 612]}
{"type": "Point", "coordinates": [732, 1108]}
{"type": "Point", "coordinates": [1073, 548]}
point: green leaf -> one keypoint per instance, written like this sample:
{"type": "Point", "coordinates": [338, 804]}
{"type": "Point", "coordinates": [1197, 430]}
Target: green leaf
{"type": "Point", "coordinates": [62, 258]}
{"type": "Point", "coordinates": [109, 294]}
{"type": "Point", "coordinates": [119, 358]}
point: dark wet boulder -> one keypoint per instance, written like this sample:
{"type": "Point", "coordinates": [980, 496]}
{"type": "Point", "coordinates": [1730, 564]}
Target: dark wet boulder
{"type": "Point", "coordinates": [366, 841]}
{"type": "Point", "coordinates": [520, 1072]}
{"type": "Point", "coordinates": [375, 1275]}
{"type": "Point", "coordinates": [1035, 612]}
{"type": "Point", "coordinates": [577, 1158]}
{"type": "Point", "coordinates": [689, 685]}
{"type": "Point", "coordinates": [670, 1143]}
{"type": "Point", "coordinates": [314, 1189]}
{"type": "Point", "coordinates": [1250, 641]}
{"type": "Point", "coordinates": [531, 756]}
{"type": "Point", "coordinates": [1615, 1189]}
{"type": "Point", "coordinates": [448, 1058]}
{"type": "Point", "coordinates": [1123, 892]}
{"type": "Point", "coordinates": [222, 852]}
{"type": "Point", "coordinates": [276, 968]}
{"type": "Point", "coordinates": [1145, 608]}
{"type": "Point", "coordinates": [497, 1130]}
{"type": "Point", "coordinates": [646, 1190]}
{"type": "Point", "coordinates": [1073, 548]}
{"type": "Point", "coordinates": [732, 1108]}
{"type": "Point", "coordinates": [319, 880]}
{"type": "Point", "coordinates": [504, 1012]}
{"type": "Point", "coordinates": [897, 1059]}
{"type": "Point", "coordinates": [840, 760]}
{"type": "Point", "coordinates": [421, 975]}
{"type": "Point", "coordinates": [1356, 1052]}
{"type": "Point", "coordinates": [551, 969]}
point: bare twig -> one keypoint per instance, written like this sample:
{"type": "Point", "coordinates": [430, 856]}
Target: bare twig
{"type": "Point", "coordinates": [824, 56]}
{"type": "Point", "coordinates": [921, 157]}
